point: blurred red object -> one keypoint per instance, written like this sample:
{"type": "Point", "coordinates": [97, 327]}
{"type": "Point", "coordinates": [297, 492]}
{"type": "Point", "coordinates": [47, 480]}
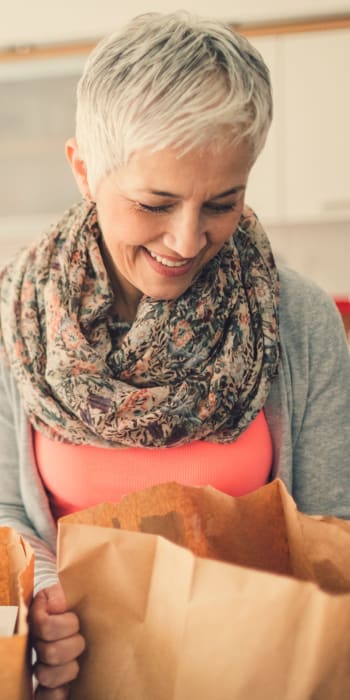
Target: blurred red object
{"type": "Point", "coordinates": [343, 304]}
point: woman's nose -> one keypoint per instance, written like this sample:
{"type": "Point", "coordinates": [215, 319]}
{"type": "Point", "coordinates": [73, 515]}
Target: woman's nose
{"type": "Point", "coordinates": [186, 235]}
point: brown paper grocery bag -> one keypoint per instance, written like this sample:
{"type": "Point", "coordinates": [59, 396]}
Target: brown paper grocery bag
{"type": "Point", "coordinates": [16, 588]}
{"type": "Point", "coordinates": [269, 621]}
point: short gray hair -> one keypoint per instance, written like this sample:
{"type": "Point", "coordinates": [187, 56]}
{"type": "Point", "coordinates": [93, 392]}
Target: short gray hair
{"type": "Point", "coordinates": [170, 80]}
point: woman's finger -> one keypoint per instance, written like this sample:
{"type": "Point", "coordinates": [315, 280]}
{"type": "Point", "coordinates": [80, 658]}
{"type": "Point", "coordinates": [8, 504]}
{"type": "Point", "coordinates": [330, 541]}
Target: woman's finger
{"type": "Point", "coordinates": [60, 652]}
{"type": "Point", "coordinates": [49, 618]}
{"type": "Point", "coordinates": [61, 693]}
{"type": "Point", "coordinates": [52, 598]}
{"type": "Point", "coordinates": [52, 627]}
{"type": "Point", "coordinates": [56, 676]}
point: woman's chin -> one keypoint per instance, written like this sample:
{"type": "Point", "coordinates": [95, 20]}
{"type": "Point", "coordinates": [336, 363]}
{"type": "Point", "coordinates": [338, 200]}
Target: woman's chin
{"type": "Point", "coordinates": [166, 292]}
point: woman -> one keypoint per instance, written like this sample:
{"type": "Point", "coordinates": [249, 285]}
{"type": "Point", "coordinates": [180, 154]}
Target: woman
{"type": "Point", "coordinates": [149, 337]}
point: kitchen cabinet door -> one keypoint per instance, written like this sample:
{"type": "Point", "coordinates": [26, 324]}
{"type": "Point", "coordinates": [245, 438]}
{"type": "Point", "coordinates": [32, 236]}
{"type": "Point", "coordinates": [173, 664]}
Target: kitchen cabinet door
{"type": "Point", "coordinates": [316, 87]}
{"type": "Point", "coordinates": [264, 186]}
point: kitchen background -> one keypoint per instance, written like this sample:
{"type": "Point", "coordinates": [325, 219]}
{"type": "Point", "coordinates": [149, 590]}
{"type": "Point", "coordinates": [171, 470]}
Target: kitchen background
{"type": "Point", "coordinates": [300, 186]}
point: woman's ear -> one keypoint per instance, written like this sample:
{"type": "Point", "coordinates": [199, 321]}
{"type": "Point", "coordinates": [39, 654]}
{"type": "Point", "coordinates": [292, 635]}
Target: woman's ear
{"type": "Point", "coordinates": [78, 168]}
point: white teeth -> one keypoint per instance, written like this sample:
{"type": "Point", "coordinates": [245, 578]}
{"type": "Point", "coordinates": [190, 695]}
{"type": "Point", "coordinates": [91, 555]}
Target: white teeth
{"type": "Point", "coordinates": [167, 263]}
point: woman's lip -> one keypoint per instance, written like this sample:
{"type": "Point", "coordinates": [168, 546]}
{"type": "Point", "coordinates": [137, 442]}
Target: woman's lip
{"type": "Point", "coordinates": [168, 271]}
{"type": "Point", "coordinates": [168, 257]}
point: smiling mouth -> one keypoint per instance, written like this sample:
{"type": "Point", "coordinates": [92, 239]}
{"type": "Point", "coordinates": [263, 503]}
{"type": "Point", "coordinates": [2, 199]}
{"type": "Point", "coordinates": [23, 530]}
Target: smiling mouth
{"type": "Point", "coordinates": [167, 262]}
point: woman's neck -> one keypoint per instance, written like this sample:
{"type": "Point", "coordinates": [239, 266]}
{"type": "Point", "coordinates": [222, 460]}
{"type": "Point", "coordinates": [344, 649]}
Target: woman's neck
{"type": "Point", "coordinates": [126, 297]}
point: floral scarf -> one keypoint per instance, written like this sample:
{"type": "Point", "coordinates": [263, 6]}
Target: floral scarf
{"type": "Point", "coordinates": [195, 368]}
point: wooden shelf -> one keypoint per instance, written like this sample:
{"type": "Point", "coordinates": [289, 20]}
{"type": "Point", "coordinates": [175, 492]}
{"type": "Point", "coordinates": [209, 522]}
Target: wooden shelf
{"type": "Point", "coordinates": [313, 24]}
{"type": "Point", "coordinates": [21, 53]}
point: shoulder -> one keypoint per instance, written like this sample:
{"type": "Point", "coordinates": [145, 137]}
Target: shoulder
{"type": "Point", "coordinates": [312, 336]}
{"type": "Point", "coordinates": [314, 350]}
{"type": "Point", "coordinates": [300, 293]}
{"type": "Point", "coordinates": [305, 308]}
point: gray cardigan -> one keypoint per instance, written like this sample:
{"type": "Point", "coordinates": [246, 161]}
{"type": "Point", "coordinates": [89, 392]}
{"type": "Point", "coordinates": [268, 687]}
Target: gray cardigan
{"type": "Point", "coordinates": [308, 413]}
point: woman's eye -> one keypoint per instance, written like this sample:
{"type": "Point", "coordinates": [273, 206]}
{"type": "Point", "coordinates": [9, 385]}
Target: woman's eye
{"type": "Point", "coordinates": [220, 208]}
{"type": "Point", "coordinates": [155, 210]}
{"type": "Point", "coordinates": [165, 208]}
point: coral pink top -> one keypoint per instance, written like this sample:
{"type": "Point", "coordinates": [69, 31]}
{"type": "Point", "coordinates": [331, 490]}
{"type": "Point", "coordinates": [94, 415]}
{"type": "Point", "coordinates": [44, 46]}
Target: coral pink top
{"type": "Point", "coordinates": [79, 476]}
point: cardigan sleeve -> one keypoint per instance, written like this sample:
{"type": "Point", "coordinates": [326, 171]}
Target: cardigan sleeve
{"type": "Point", "coordinates": [17, 484]}
{"type": "Point", "coordinates": [319, 368]}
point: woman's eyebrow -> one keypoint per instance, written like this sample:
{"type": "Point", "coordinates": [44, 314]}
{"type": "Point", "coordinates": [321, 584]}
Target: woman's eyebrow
{"type": "Point", "coordinates": [233, 190]}
{"type": "Point", "coordinates": [162, 193]}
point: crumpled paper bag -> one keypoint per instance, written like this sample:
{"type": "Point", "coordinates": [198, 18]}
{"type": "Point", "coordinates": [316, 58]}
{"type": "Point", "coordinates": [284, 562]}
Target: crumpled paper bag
{"type": "Point", "coordinates": [258, 610]}
{"type": "Point", "coordinates": [16, 588]}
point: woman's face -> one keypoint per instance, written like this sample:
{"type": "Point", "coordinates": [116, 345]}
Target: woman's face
{"type": "Point", "coordinates": [164, 217]}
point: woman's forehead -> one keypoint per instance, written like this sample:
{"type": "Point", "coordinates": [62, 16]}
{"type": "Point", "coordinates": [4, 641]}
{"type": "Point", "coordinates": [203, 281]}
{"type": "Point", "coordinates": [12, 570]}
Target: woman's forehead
{"type": "Point", "coordinates": [165, 172]}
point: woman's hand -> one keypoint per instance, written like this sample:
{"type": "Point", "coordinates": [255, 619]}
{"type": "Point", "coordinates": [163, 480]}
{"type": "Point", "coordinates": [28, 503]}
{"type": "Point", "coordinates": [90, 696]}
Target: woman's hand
{"type": "Point", "coordinates": [55, 635]}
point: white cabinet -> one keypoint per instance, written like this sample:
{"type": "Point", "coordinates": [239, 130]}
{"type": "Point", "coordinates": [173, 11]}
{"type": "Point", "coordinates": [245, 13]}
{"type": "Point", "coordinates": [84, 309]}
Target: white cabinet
{"type": "Point", "coordinates": [264, 185]}
{"type": "Point", "coordinates": [303, 175]}
{"type": "Point", "coordinates": [317, 125]}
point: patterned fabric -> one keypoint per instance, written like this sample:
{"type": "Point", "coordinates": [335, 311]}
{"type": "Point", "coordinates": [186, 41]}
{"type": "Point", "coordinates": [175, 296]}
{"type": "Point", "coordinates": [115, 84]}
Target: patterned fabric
{"type": "Point", "coordinates": [197, 367]}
